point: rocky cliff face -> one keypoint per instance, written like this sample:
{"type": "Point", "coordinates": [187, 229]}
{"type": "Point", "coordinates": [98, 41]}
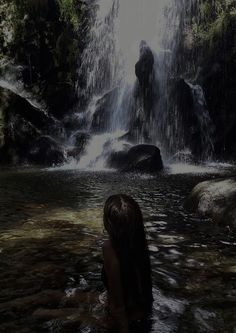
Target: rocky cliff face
{"type": "Point", "coordinates": [40, 44]}
{"type": "Point", "coordinates": [206, 54]}
{"type": "Point", "coordinates": [46, 38]}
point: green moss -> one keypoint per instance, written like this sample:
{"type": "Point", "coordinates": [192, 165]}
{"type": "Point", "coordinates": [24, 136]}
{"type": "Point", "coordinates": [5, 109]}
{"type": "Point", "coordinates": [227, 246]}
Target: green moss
{"type": "Point", "coordinates": [212, 22]}
{"type": "Point", "coordinates": [6, 25]}
{"type": "Point", "coordinates": [46, 40]}
{"type": "Point", "coordinates": [68, 11]}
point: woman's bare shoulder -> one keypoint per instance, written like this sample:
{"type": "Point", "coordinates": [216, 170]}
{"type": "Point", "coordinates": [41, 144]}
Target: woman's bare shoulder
{"type": "Point", "coordinates": [106, 244]}
{"type": "Point", "coordinates": [109, 254]}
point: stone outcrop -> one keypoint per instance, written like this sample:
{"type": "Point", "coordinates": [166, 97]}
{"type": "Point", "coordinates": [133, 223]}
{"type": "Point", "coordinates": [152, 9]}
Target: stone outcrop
{"type": "Point", "coordinates": [205, 53]}
{"type": "Point", "coordinates": [146, 92]}
{"type": "Point", "coordinates": [25, 132]}
{"type": "Point", "coordinates": [215, 199]}
{"type": "Point", "coordinates": [144, 67]}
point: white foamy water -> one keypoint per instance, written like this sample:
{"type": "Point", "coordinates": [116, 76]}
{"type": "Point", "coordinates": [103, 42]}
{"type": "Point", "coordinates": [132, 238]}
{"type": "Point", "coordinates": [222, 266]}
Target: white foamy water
{"type": "Point", "coordinates": [97, 152]}
{"type": "Point", "coordinates": [210, 168]}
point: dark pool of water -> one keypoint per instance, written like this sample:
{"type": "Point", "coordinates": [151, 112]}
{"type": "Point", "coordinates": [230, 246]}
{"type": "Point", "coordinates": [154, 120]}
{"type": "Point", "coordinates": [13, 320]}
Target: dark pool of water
{"type": "Point", "coordinates": [50, 253]}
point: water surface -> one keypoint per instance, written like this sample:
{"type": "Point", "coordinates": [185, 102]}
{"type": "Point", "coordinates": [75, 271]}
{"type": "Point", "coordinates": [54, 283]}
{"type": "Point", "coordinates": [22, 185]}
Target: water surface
{"type": "Point", "coordinates": [50, 253]}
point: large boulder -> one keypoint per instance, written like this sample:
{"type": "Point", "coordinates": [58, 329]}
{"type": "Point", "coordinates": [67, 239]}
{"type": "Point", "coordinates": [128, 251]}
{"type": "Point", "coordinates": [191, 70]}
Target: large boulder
{"type": "Point", "coordinates": [141, 158]}
{"type": "Point", "coordinates": [215, 199]}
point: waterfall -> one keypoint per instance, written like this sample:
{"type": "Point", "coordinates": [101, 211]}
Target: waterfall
{"type": "Point", "coordinates": [100, 61]}
{"type": "Point", "coordinates": [127, 70]}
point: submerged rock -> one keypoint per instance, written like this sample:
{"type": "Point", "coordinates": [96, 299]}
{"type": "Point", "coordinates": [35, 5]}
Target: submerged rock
{"type": "Point", "coordinates": [215, 199]}
{"type": "Point", "coordinates": [141, 158]}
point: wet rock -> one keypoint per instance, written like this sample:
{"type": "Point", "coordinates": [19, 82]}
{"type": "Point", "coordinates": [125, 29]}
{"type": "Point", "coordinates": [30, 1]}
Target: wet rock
{"type": "Point", "coordinates": [184, 156]}
{"type": "Point", "coordinates": [140, 158]}
{"type": "Point", "coordinates": [145, 94]}
{"type": "Point", "coordinates": [46, 151]}
{"type": "Point", "coordinates": [15, 131]}
{"type": "Point", "coordinates": [103, 110]}
{"type": "Point", "coordinates": [215, 199]}
{"type": "Point", "coordinates": [117, 160]}
{"type": "Point", "coordinates": [74, 121]}
{"type": "Point", "coordinates": [193, 127]}
{"type": "Point", "coordinates": [182, 107]}
{"type": "Point", "coordinates": [3, 103]}
{"type": "Point", "coordinates": [80, 141]}
{"type": "Point", "coordinates": [22, 128]}
{"type": "Point", "coordinates": [182, 95]}
{"type": "Point", "coordinates": [144, 67]}
{"type": "Point", "coordinates": [214, 70]}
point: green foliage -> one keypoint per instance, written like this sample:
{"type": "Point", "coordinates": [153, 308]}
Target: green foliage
{"type": "Point", "coordinates": [212, 21]}
{"type": "Point", "coordinates": [68, 11]}
{"type": "Point", "coordinates": [43, 36]}
{"type": "Point", "coordinates": [6, 26]}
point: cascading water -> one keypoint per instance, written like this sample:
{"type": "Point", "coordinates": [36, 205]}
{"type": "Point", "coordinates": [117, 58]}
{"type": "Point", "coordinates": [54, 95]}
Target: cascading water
{"type": "Point", "coordinates": [127, 69]}
{"type": "Point", "coordinates": [100, 61]}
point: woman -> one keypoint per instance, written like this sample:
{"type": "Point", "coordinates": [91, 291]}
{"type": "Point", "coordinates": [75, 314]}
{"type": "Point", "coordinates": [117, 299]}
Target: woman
{"type": "Point", "coordinates": [126, 272]}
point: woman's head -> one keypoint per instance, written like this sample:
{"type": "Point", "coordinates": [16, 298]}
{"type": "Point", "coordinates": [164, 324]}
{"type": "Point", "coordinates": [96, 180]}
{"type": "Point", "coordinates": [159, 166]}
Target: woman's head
{"type": "Point", "coordinates": [123, 221]}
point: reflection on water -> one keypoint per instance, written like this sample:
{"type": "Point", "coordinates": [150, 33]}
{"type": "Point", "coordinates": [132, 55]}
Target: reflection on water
{"type": "Point", "coordinates": [50, 253]}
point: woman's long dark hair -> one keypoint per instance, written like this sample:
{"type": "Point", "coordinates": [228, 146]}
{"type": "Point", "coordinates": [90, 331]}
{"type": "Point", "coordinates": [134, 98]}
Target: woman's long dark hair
{"type": "Point", "coordinates": [123, 221]}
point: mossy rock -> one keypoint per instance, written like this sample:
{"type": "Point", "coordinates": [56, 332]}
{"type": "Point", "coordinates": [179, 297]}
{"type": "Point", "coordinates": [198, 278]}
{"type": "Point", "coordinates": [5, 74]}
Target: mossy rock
{"type": "Point", "coordinates": [215, 199]}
